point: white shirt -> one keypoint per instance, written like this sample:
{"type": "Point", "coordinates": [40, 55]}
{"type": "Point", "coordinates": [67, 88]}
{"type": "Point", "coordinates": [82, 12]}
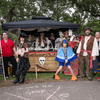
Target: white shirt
{"type": "Point", "coordinates": [95, 51]}
{"type": "Point", "coordinates": [42, 43]}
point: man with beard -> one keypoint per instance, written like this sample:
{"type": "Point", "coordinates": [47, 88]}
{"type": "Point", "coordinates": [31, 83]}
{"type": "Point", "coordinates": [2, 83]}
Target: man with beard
{"type": "Point", "coordinates": [87, 51]}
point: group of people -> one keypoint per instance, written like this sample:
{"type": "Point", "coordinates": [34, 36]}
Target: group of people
{"type": "Point", "coordinates": [18, 57]}
{"type": "Point", "coordinates": [45, 43]}
{"type": "Point", "coordinates": [41, 43]}
{"type": "Point", "coordinates": [87, 53]}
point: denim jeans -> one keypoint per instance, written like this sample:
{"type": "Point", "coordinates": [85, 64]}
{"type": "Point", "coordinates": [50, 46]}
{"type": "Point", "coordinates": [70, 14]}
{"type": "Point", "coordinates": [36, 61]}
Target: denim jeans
{"type": "Point", "coordinates": [95, 65]}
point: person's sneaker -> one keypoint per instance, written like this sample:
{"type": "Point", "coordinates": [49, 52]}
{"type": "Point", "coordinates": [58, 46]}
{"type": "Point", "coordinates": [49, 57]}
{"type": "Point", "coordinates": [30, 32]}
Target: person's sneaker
{"type": "Point", "coordinates": [89, 78]}
{"type": "Point", "coordinates": [94, 74]}
{"type": "Point", "coordinates": [53, 77]}
{"type": "Point", "coordinates": [80, 76]}
{"type": "Point", "coordinates": [98, 78]}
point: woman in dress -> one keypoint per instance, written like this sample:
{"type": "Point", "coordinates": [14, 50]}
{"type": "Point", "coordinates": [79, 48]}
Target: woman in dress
{"type": "Point", "coordinates": [64, 56]}
{"type": "Point", "coordinates": [22, 61]}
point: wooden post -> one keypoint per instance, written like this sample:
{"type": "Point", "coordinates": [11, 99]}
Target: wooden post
{"type": "Point", "coordinates": [36, 71]}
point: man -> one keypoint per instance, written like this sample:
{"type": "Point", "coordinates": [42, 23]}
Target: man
{"type": "Point", "coordinates": [7, 47]}
{"type": "Point", "coordinates": [87, 51]}
{"type": "Point", "coordinates": [42, 41]}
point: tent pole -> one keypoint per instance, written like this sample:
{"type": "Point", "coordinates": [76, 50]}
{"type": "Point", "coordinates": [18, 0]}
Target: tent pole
{"type": "Point", "coordinates": [2, 56]}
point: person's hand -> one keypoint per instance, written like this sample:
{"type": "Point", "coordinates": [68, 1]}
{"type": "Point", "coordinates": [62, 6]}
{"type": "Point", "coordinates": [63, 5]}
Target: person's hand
{"type": "Point", "coordinates": [94, 58]}
{"type": "Point", "coordinates": [17, 59]}
{"type": "Point", "coordinates": [16, 54]}
{"type": "Point", "coordinates": [78, 55]}
{"type": "Point", "coordinates": [44, 41]}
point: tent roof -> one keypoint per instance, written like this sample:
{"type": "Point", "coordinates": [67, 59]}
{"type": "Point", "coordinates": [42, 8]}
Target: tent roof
{"type": "Point", "coordinates": [39, 21]}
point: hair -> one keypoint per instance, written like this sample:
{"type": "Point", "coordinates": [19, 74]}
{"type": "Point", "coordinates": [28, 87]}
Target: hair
{"type": "Point", "coordinates": [22, 37]}
{"type": "Point", "coordinates": [97, 32]}
{"type": "Point", "coordinates": [5, 32]}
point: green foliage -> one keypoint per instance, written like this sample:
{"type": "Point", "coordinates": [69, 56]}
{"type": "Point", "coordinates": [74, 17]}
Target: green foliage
{"type": "Point", "coordinates": [95, 25]}
{"type": "Point", "coordinates": [16, 10]}
{"type": "Point", "coordinates": [86, 11]}
{"type": "Point", "coordinates": [90, 6]}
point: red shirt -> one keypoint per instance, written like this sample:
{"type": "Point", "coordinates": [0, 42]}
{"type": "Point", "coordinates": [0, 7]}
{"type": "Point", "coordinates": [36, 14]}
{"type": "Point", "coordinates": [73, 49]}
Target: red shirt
{"type": "Point", "coordinates": [7, 48]}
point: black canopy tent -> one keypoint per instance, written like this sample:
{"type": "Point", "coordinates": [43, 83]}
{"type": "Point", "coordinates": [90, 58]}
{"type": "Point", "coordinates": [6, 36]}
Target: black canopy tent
{"type": "Point", "coordinates": [38, 22]}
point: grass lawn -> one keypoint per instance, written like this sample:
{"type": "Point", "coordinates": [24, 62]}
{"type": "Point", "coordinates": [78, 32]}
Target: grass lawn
{"type": "Point", "coordinates": [41, 77]}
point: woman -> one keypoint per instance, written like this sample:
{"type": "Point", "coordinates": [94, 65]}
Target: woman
{"type": "Point", "coordinates": [22, 61]}
{"type": "Point", "coordinates": [64, 56]}
{"type": "Point", "coordinates": [95, 63]}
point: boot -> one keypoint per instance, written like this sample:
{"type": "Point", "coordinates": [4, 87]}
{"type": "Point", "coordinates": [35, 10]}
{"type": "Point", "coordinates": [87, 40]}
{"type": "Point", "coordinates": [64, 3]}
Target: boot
{"type": "Point", "coordinates": [53, 77]}
{"type": "Point", "coordinates": [16, 80]}
{"type": "Point", "coordinates": [57, 77]}
{"type": "Point", "coordinates": [22, 80]}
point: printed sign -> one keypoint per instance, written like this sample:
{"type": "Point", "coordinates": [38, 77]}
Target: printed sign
{"type": "Point", "coordinates": [44, 61]}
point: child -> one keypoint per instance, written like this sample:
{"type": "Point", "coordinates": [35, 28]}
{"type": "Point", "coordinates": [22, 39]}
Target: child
{"type": "Point", "coordinates": [64, 56]}
{"type": "Point", "coordinates": [22, 61]}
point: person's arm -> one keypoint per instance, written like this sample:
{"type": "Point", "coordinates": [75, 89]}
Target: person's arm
{"type": "Point", "coordinates": [95, 50]}
{"type": "Point", "coordinates": [25, 50]}
{"type": "Point", "coordinates": [14, 49]}
{"type": "Point", "coordinates": [36, 45]}
{"type": "Point", "coordinates": [78, 49]}
{"type": "Point", "coordinates": [17, 59]}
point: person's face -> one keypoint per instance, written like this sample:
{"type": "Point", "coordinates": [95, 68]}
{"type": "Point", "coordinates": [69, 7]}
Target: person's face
{"type": "Point", "coordinates": [97, 35]}
{"type": "Point", "coordinates": [21, 39]}
{"type": "Point", "coordinates": [29, 37]}
{"type": "Point", "coordinates": [52, 34]}
{"type": "Point", "coordinates": [42, 35]}
{"type": "Point", "coordinates": [87, 31]}
{"type": "Point", "coordinates": [64, 45]}
{"type": "Point", "coordinates": [5, 36]}
{"type": "Point", "coordinates": [66, 34]}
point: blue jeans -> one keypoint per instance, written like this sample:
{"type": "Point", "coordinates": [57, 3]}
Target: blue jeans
{"type": "Point", "coordinates": [95, 65]}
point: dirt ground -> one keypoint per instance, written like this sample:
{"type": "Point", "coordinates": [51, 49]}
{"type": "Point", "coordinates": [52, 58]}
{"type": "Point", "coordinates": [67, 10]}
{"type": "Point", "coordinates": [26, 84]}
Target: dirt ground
{"type": "Point", "coordinates": [9, 83]}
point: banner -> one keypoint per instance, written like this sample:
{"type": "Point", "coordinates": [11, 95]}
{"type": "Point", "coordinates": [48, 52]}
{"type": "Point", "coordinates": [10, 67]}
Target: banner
{"type": "Point", "coordinates": [74, 66]}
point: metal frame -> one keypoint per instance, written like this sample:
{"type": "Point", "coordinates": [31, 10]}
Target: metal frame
{"type": "Point", "coordinates": [2, 56]}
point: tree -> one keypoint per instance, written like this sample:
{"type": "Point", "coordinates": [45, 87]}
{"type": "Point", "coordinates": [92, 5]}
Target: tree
{"type": "Point", "coordinates": [56, 9]}
{"type": "Point", "coordinates": [90, 6]}
{"type": "Point", "coordinates": [16, 10]}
